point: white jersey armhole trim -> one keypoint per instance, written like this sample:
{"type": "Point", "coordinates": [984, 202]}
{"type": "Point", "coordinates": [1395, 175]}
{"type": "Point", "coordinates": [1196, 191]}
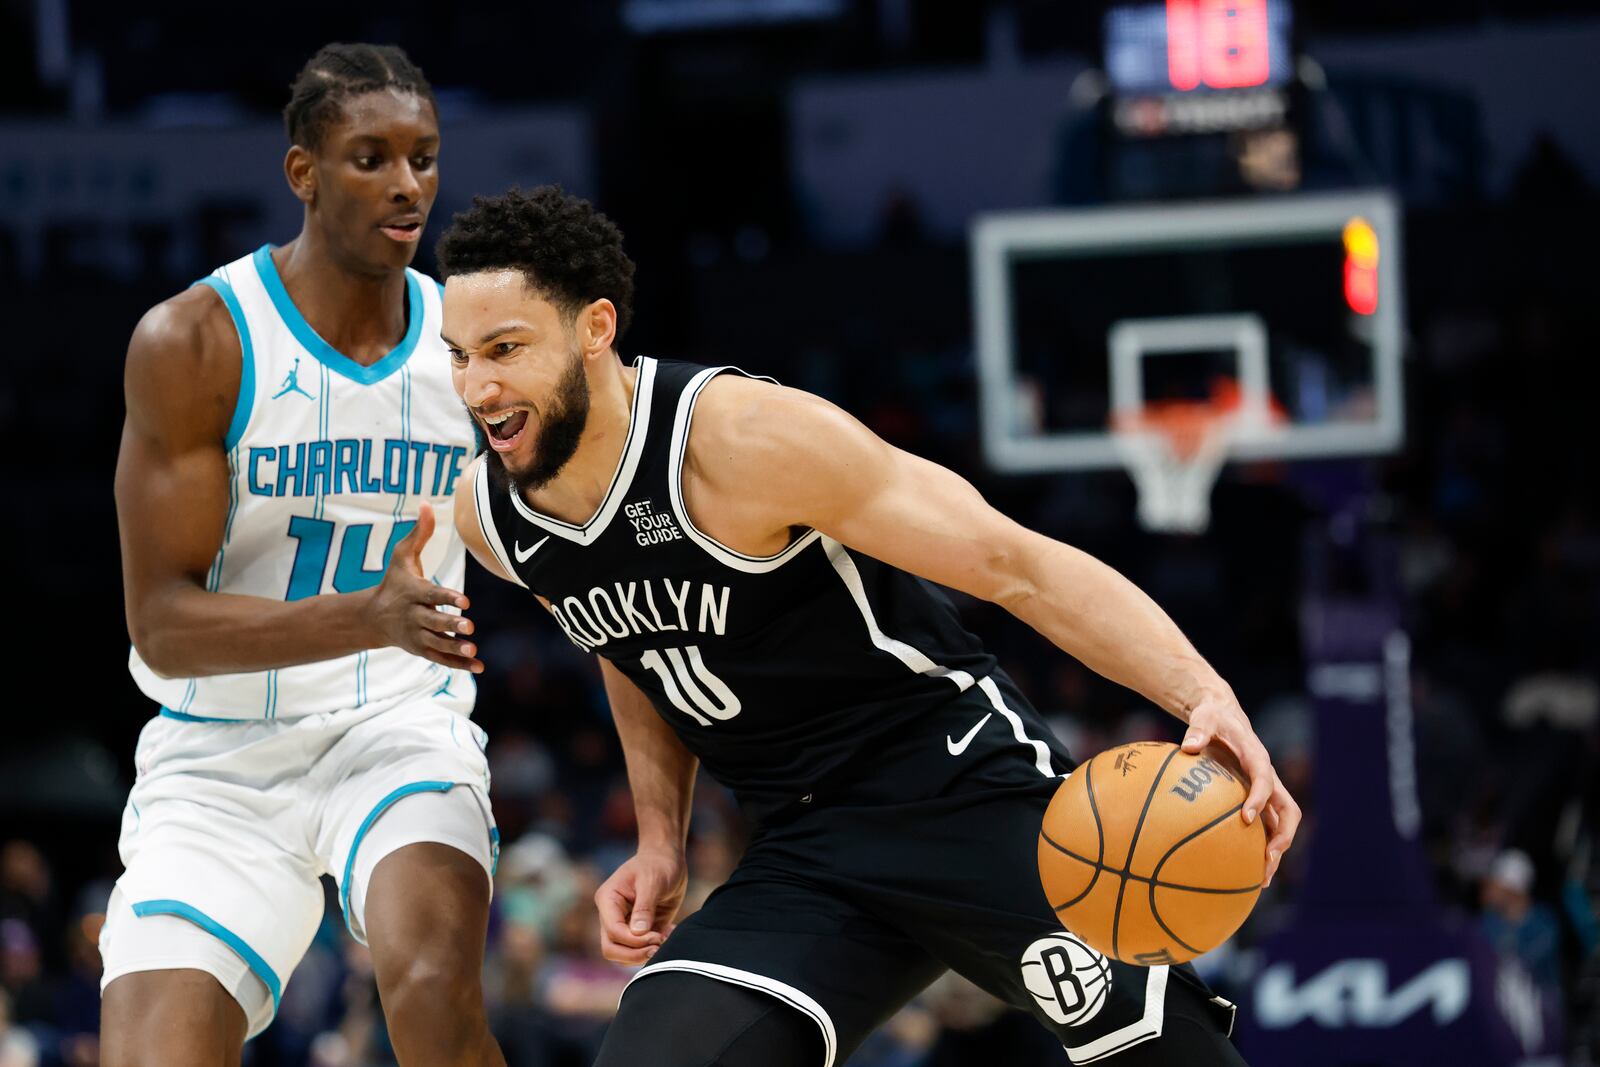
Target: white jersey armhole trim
{"type": "Point", "coordinates": [915, 660]}
{"type": "Point", "coordinates": [480, 498]}
{"type": "Point", "coordinates": [1146, 1028]}
{"type": "Point", "coordinates": [1041, 751]}
{"type": "Point", "coordinates": [675, 457]}
{"type": "Point", "coordinates": [632, 450]}
{"type": "Point", "coordinates": [806, 1005]}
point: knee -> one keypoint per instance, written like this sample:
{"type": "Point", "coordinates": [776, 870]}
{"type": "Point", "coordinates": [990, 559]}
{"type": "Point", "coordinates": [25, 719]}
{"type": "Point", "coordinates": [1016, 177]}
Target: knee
{"type": "Point", "coordinates": [432, 977]}
{"type": "Point", "coordinates": [685, 1020]}
{"type": "Point", "coordinates": [435, 994]}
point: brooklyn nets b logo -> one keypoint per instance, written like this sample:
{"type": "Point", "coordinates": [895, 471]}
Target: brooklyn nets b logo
{"type": "Point", "coordinates": [1069, 979]}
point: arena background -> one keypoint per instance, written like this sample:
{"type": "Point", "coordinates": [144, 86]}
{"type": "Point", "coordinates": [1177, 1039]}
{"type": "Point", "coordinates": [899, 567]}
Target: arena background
{"type": "Point", "coordinates": [1415, 634]}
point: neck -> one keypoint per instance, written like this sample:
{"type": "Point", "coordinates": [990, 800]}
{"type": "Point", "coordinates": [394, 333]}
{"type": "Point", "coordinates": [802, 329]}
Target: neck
{"type": "Point", "coordinates": [362, 314]}
{"type": "Point", "coordinates": [575, 495]}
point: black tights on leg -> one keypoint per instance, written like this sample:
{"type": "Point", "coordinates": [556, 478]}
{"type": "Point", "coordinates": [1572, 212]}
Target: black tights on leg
{"type": "Point", "coordinates": [678, 1019]}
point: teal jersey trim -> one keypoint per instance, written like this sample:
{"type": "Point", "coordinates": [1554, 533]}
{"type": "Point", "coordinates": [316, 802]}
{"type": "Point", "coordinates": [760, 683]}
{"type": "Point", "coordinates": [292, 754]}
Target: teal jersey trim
{"type": "Point", "coordinates": [361, 832]}
{"type": "Point", "coordinates": [205, 922]}
{"type": "Point", "coordinates": [325, 353]}
{"type": "Point", "coordinates": [247, 366]}
{"type": "Point", "coordinates": [184, 716]}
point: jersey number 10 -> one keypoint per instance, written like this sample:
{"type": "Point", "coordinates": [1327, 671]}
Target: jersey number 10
{"type": "Point", "coordinates": [316, 545]}
{"type": "Point", "coordinates": [690, 685]}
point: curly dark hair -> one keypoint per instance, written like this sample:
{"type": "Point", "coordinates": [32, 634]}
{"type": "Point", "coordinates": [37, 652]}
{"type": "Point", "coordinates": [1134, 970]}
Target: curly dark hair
{"type": "Point", "coordinates": [566, 250]}
{"type": "Point", "coordinates": [338, 72]}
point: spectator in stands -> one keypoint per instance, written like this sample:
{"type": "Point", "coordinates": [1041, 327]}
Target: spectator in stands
{"type": "Point", "coordinates": [18, 1048]}
{"type": "Point", "coordinates": [22, 972]}
{"type": "Point", "coordinates": [1517, 926]}
{"type": "Point", "coordinates": [25, 889]}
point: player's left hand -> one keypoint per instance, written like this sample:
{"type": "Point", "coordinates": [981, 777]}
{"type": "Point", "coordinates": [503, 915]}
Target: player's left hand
{"type": "Point", "coordinates": [1220, 719]}
{"type": "Point", "coordinates": [638, 903]}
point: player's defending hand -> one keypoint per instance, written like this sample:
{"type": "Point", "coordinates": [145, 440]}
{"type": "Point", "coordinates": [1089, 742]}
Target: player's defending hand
{"type": "Point", "coordinates": [638, 903]}
{"type": "Point", "coordinates": [1220, 719]}
{"type": "Point", "coordinates": [403, 608]}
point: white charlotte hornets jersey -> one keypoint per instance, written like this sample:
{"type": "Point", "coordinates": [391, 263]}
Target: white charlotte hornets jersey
{"type": "Point", "coordinates": [330, 462]}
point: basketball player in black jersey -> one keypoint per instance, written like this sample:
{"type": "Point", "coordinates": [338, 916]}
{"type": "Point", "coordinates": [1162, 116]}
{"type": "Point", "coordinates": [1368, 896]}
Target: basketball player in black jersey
{"type": "Point", "coordinates": [754, 568]}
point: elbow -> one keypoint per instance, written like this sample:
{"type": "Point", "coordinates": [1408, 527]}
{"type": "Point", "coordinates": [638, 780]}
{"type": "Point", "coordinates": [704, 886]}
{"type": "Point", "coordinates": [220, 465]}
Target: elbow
{"type": "Point", "coordinates": [1010, 583]}
{"type": "Point", "coordinates": [1015, 595]}
{"type": "Point", "coordinates": [157, 646]}
{"type": "Point", "coordinates": [155, 654]}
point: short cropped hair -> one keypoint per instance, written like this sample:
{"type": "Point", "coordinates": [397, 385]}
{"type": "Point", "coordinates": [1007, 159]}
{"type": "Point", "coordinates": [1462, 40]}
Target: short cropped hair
{"type": "Point", "coordinates": [565, 249]}
{"type": "Point", "coordinates": [341, 71]}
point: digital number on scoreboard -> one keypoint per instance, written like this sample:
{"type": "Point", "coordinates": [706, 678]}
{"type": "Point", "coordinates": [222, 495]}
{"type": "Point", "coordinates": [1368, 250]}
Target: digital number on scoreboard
{"type": "Point", "coordinates": [1199, 66]}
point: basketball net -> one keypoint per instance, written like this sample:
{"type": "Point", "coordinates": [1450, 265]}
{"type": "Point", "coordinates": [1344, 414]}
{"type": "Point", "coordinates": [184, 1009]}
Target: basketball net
{"type": "Point", "coordinates": [1174, 451]}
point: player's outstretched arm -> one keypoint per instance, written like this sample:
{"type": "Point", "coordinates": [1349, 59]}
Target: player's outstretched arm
{"type": "Point", "coordinates": [638, 903]}
{"type": "Point", "coordinates": [758, 444]}
{"type": "Point", "coordinates": [182, 382]}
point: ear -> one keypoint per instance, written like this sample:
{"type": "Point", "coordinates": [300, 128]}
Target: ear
{"type": "Point", "coordinates": [597, 328]}
{"type": "Point", "coordinates": [301, 170]}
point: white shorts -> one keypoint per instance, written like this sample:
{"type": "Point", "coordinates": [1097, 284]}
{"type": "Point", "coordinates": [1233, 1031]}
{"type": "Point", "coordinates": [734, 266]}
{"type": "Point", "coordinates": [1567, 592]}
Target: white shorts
{"type": "Point", "coordinates": [230, 826]}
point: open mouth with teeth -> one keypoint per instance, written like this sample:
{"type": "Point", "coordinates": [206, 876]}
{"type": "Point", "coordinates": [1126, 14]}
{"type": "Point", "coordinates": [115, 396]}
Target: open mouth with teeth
{"type": "Point", "coordinates": [505, 428]}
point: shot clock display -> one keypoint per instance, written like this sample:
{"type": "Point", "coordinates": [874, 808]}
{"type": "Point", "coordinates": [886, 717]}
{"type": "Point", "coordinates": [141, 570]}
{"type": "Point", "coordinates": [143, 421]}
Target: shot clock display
{"type": "Point", "coordinates": [1199, 66]}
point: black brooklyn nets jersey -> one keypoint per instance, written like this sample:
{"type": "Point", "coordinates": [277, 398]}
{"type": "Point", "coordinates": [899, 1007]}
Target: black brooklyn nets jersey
{"type": "Point", "coordinates": [774, 671]}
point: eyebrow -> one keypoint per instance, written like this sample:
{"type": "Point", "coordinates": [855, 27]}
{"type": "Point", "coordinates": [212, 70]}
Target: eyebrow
{"type": "Point", "coordinates": [498, 331]}
{"type": "Point", "coordinates": [379, 139]}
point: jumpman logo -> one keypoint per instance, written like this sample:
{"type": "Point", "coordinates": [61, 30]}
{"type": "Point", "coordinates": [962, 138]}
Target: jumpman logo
{"type": "Point", "coordinates": [291, 384]}
{"type": "Point", "coordinates": [444, 690]}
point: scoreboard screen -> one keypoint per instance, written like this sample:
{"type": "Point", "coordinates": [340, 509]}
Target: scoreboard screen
{"type": "Point", "coordinates": [1198, 45]}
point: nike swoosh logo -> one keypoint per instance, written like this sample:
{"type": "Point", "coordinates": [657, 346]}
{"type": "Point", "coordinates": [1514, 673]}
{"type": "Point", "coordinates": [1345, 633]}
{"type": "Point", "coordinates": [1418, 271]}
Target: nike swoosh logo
{"type": "Point", "coordinates": [522, 556]}
{"type": "Point", "coordinates": [958, 747]}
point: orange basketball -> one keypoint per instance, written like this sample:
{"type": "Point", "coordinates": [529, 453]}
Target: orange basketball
{"type": "Point", "coordinates": [1144, 856]}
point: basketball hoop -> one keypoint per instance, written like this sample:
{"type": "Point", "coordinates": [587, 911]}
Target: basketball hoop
{"type": "Point", "coordinates": [1174, 450]}
{"type": "Point", "coordinates": [1206, 298]}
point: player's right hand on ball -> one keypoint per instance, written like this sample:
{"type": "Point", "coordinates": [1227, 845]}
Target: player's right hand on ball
{"type": "Point", "coordinates": [638, 903]}
{"type": "Point", "coordinates": [404, 606]}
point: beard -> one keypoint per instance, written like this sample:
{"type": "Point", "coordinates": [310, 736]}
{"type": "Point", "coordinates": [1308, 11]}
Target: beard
{"type": "Point", "coordinates": [560, 428]}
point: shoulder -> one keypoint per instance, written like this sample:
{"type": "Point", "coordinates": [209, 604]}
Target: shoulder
{"type": "Point", "coordinates": [194, 323]}
{"type": "Point", "coordinates": [470, 525]}
{"type": "Point", "coordinates": [465, 510]}
{"type": "Point", "coordinates": [735, 417]}
{"type": "Point", "coordinates": [789, 447]}
{"type": "Point", "coordinates": [185, 354]}
{"type": "Point", "coordinates": [466, 501]}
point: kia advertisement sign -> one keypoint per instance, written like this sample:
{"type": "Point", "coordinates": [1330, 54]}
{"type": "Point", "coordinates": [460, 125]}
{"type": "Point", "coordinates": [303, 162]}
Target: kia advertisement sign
{"type": "Point", "coordinates": [1372, 972]}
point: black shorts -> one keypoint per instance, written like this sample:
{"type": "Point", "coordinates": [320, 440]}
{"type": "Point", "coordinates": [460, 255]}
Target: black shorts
{"type": "Point", "coordinates": [849, 907]}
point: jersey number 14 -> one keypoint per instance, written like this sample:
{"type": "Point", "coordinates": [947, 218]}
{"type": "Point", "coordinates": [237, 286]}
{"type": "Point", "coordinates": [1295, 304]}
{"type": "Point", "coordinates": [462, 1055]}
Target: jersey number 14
{"type": "Point", "coordinates": [350, 574]}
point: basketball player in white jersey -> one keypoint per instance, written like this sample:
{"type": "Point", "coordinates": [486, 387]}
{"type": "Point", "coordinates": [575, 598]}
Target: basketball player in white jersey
{"type": "Point", "coordinates": [292, 583]}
